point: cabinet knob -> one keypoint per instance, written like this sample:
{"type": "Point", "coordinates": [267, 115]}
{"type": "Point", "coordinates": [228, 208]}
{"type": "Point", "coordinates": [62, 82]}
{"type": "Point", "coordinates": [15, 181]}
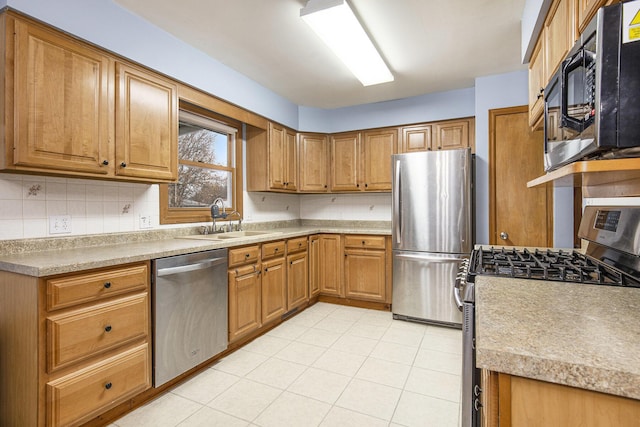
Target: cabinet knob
{"type": "Point", "coordinates": [363, 243]}
{"type": "Point", "coordinates": [123, 164]}
{"type": "Point", "coordinates": [266, 269]}
{"type": "Point", "coordinates": [105, 162]}
{"type": "Point", "coordinates": [504, 235]}
{"type": "Point", "coordinates": [291, 263]}
{"type": "Point", "coordinates": [358, 185]}
{"type": "Point", "coordinates": [108, 386]}
{"type": "Point", "coordinates": [247, 255]}
{"type": "Point", "coordinates": [276, 250]}
{"type": "Point", "coordinates": [107, 285]}
{"type": "Point", "coordinates": [325, 186]}
{"type": "Point", "coordinates": [366, 185]}
{"type": "Point", "coordinates": [107, 328]}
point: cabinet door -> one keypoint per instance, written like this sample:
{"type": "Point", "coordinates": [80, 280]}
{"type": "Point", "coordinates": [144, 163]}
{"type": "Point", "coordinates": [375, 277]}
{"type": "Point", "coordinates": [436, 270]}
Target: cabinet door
{"type": "Point", "coordinates": [453, 134]}
{"type": "Point", "coordinates": [331, 264]}
{"type": "Point", "coordinates": [587, 10]}
{"type": "Point", "coordinates": [537, 80]}
{"type": "Point", "coordinates": [377, 149]}
{"type": "Point", "coordinates": [558, 34]}
{"type": "Point", "coordinates": [416, 138]}
{"type": "Point", "coordinates": [314, 266]}
{"type": "Point", "coordinates": [297, 280]}
{"type": "Point", "coordinates": [277, 157]}
{"type": "Point", "coordinates": [365, 274]}
{"type": "Point", "coordinates": [61, 103]}
{"type": "Point", "coordinates": [313, 163]}
{"type": "Point", "coordinates": [274, 290]}
{"type": "Point", "coordinates": [146, 125]}
{"type": "Point", "coordinates": [345, 158]}
{"type": "Point", "coordinates": [291, 162]}
{"type": "Point", "coordinates": [244, 301]}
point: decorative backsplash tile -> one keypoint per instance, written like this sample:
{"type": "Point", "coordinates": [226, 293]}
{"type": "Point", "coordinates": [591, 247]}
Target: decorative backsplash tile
{"type": "Point", "coordinates": [95, 207]}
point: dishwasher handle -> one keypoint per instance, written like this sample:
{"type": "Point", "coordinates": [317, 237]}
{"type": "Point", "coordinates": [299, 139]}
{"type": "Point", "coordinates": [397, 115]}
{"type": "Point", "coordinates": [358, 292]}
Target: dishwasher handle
{"type": "Point", "coordinates": [191, 267]}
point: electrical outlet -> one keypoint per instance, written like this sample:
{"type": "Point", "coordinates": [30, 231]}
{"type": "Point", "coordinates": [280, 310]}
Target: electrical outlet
{"type": "Point", "coordinates": [60, 224]}
{"type": "Point", "coordinates": [145, 221]}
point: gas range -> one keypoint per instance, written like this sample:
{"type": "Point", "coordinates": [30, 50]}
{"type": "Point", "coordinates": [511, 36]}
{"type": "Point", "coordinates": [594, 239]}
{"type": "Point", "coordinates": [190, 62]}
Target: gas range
{"type": "Point", "coordinates": [611, 258]}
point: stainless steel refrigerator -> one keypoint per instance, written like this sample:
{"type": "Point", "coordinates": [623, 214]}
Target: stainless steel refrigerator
{"type": "Point", "coordinates": [432, 233]}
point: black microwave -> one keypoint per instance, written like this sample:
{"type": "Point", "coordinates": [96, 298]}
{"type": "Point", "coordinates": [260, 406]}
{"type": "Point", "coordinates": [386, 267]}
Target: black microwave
{"type": "Point", "coordinates": [592, 103]}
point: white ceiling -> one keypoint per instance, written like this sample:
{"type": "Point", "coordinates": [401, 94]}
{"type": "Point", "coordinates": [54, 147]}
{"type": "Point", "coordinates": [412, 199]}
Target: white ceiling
{"type": "Point", "coordinates": [430, 45]}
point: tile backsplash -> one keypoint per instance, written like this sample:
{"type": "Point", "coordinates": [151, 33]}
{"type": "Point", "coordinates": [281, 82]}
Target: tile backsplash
{"type": "Point", "coordinates": [28, 202]}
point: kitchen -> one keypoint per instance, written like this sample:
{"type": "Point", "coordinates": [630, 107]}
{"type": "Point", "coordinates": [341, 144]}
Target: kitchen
{"type": "Point", "coordinates": [487, 93]}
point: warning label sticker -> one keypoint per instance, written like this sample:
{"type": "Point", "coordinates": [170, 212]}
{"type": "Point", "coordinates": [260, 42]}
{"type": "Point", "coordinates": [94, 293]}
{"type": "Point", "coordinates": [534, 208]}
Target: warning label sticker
{"type": "Point", "coordinates": [631, 21]}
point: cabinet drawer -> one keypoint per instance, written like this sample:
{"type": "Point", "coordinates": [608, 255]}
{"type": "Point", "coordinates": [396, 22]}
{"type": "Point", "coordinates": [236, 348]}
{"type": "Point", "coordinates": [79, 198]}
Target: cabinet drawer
{"type": "Point", "coordinates": [78, 334]}
{"type": "Point", "coordinates": [76, 398]}
{"type": "Point", "coordinates": [244, 255]}
{"type": "Point", "coordinates": [373, 242]}
{"type": "Point", "coordinates": [272, 249]}
{"type": "Point", "coordinates": [296, 245]}
{"type": "Point", "coordinates": [81, 288]}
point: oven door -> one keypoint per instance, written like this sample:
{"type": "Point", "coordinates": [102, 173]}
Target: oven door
{"type": "Point", "coordinates": [470, 405]}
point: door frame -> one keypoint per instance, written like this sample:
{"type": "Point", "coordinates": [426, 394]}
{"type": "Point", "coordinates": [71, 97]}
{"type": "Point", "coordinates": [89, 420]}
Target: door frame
{"type": "Point", "coordinates": [493, 114]}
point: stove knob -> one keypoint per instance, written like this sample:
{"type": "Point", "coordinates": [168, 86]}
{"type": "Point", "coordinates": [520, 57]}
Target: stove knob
{"type": "Point", "coordinates": [504, 235]}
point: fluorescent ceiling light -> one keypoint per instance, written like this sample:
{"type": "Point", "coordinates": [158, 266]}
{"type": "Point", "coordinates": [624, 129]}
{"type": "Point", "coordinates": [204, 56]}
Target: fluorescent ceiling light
{"type": "Point", "coordinates": [338, 27]}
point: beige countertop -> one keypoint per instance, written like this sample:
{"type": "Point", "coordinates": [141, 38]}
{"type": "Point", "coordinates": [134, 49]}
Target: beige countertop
{"type": "Point", "coordinates": [585, 336]}
{"type": "Point", "coordinates": [65, 256]}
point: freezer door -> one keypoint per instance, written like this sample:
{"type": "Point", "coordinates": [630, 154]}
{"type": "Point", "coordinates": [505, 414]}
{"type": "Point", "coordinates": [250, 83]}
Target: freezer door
{"type": "Point", "coordinates": [423, 287]}
{"type": "Point", "coordinates": [432, 201]}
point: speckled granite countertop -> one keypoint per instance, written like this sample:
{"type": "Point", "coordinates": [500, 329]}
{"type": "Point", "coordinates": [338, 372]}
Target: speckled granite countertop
{"type": "Point", "coordinates": [584, 336]}
{"type": "Point", "coordinates": [82, 253]}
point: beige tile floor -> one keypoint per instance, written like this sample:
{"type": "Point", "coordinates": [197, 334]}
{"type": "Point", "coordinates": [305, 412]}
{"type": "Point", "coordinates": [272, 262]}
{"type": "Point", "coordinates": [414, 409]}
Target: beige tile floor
{"type": "Point", "coordinates": [329, 366]}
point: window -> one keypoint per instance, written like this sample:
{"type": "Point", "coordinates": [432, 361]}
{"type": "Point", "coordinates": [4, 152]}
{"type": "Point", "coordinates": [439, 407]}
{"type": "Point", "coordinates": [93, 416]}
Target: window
{"type": "Point", "coordinates": [208, 146]}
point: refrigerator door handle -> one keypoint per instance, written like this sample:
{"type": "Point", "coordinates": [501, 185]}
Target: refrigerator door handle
{"type": "Point", "coordinates": [397, 206]}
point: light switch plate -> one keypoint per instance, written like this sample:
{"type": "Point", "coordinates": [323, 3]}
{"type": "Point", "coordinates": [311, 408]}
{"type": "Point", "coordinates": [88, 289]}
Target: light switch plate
{"type": "Point", "coordinates": [60, 224]}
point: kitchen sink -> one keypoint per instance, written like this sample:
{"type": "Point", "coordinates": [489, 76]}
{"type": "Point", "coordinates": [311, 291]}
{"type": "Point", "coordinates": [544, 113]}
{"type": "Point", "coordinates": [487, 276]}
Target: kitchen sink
{"type": "Point", "coordinates": [230, 235]}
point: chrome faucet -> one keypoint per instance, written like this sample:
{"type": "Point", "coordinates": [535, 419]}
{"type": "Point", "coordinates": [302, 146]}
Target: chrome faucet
{"type": "Point", "coordinates": [217, 211]}
{"type": "Point", "coordinates": [239, 226]}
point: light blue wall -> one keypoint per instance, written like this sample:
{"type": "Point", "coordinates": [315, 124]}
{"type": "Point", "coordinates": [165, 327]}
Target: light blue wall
{"type": "Point", "coordinates": [424, 108]}
{"type": "Point", "coordinates": [108, 25]}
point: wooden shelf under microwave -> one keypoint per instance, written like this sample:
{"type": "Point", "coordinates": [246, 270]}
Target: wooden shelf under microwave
{"type": "Point", "coordinates": [593, 173]}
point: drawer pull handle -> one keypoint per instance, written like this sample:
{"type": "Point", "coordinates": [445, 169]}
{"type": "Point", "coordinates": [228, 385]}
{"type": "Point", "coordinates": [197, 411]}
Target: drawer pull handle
{"type": "Point", "coordinates": [247, 255]}
{"type": "Point", "coordinates": [123, 164]}
{"type": "Point", "coordinates": [105, 162]}
{"type": "Point", "coordinates": [107, 285]}
{"type": "Point", "coordinates": [108, 386]}
{"type": "Point", "coordinates": [108, 328]}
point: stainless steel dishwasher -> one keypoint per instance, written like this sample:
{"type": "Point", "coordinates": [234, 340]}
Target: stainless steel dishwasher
{"type": "Point", "coordinates": [189, 303]}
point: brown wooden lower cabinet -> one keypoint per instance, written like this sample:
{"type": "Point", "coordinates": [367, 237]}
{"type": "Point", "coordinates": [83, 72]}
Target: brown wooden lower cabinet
{"type": "Point", "coordinates": [349, 268]}
{"type": "Point", "coordinates": [74, 345]}
{"type": "Point", "coordinates": [330, 265]}
{"type": "Point", "coordinates": [524, 402]}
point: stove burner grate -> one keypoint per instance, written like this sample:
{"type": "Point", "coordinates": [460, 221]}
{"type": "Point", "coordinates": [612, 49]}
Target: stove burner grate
{"type": "Point", "coordinates": [547, 264]}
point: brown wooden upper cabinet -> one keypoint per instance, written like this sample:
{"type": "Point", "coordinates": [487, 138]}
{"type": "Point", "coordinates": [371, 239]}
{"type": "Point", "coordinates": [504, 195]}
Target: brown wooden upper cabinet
{"type": "Point", "coordinates": [146, 125]}
{"type": "Point", "coordinates": [314, 162]}
{"type": "Point", "coordinates": [283, 158]}
{"type": "Point", "coordinates": [272, 159]}
{"type": "Point", "coordinates": [361, 161]}
{"type": "Point", "coordinates": [73, 109]}
{"type": "Point", "coordinates": [445, 135]}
